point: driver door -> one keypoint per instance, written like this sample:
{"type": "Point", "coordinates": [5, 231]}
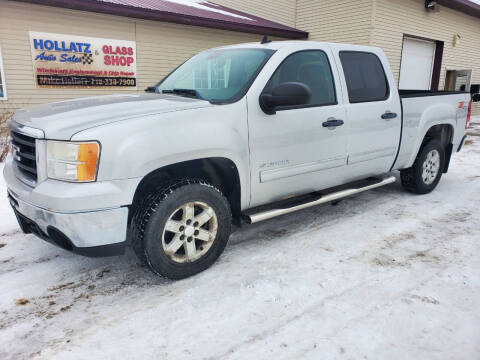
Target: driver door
{"type": "Point", "coordinates": [295, 151]}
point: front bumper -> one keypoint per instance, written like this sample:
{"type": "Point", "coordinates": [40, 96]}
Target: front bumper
{"type": "Point", "coordinates": [94, 233]}
{"type": "Point", "coordinates": [88, 219]}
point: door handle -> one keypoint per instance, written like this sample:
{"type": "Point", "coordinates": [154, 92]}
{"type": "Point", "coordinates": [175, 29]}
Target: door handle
{"type": "Point", "coordinates": [332, 123]}
{"type": "Point", "coordinates": [389, 115]}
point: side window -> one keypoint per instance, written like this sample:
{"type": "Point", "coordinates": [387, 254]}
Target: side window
{"type": "Point", "coordinates": [365, 77]}
{"type": "Point", "coordinates": [312, 68]}
{"type": "Point", "coordinates": [3, 91]}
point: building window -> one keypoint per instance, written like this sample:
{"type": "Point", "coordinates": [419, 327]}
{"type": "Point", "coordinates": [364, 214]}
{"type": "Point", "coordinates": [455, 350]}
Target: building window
{"type": "Point", "coordinates": [458, 80]}
{"type": "Point", "coordinates": [3, 87]}
{"type": "Point", "coordinates": [213, 74]}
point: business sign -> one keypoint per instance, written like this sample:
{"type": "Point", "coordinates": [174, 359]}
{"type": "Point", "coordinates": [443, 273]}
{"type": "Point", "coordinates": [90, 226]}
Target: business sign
{"type": "Point", "coordinates": [67, 61]}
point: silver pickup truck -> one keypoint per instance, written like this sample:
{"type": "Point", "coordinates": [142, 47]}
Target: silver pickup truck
{"type": "Point", "coordinates": [236, 134]}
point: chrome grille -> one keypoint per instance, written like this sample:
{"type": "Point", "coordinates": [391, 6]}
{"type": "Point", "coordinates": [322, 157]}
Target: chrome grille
{"type": "Point", "coordinates": [24, 154]}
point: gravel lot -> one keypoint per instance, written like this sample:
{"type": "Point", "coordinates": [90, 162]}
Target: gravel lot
{"type": "Point", "coordinates": [381, 275]}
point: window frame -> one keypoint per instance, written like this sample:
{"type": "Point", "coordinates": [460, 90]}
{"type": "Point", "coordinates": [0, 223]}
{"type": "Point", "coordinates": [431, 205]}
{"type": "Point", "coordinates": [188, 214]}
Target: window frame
{"type": "Point", "coordinates": [2, 75]}
{"type": "Point", "coordinates": [294, 107]}
{"type": "Point", "coordinates": [387, 96]}
{"type": "Point", "coordinates": [455, 73]}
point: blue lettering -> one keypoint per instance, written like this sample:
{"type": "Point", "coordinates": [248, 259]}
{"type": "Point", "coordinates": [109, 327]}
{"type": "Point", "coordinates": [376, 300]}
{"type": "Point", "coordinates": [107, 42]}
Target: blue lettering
{"type": "Point", "coordinates": [70, 59]}
{"type": "Point", "coordinates": [55, 45]}
{"type": "Point", "coordinates": [43, 57]}
{"type": "Point", "coordinates": [38, 43]}
{"type": "Point", "coordinates": [48, 44]}
{"type": "Point", "coordinates": [73, 47]}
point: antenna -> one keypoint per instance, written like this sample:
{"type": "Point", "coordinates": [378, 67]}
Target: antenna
{"type": "Point", "coordinates": [265, 40]}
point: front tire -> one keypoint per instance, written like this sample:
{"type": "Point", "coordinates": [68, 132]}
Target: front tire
{"type": "Point", "coordinates": [427, 169]}
{"type": "Point", "coordinates": [182, 229]}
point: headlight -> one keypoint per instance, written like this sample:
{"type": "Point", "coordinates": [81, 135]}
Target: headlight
{"type": "Point", "coordinates": [71, 161]}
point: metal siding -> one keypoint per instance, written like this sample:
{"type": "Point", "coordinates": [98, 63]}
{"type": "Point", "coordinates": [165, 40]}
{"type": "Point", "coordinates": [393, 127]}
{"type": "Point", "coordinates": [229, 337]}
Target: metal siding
{"type": "Point", "coordinates": [199, 13]}
{"type": "Point", "coordinates": [160, 47]}
{"type": "Point", "coordinates": [346, 21]}
{"type": "Point", "coordinates": [281, 11]}
{"type": "Point", "coordinates": [394, 18]}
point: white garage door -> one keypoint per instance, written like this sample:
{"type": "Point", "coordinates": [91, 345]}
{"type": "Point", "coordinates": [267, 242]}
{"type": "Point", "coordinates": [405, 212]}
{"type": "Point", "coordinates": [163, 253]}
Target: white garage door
{"type": "Point", "coordinates": [417, 64]}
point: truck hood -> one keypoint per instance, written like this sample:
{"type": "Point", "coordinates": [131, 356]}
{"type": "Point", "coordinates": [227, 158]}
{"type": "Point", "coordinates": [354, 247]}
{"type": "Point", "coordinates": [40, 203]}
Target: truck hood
{"type": "Point", "coordinates": [61, 120]}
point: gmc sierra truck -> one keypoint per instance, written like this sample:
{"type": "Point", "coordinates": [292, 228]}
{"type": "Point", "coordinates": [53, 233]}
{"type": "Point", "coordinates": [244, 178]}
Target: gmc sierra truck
{"type": "Point", "coordinates": [236, 134]}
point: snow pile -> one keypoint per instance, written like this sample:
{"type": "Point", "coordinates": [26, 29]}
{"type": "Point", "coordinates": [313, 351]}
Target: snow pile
{"type": "Point", "coordinates": [382, 275]}
{"type": "Point", "coordinates": [207, 6]}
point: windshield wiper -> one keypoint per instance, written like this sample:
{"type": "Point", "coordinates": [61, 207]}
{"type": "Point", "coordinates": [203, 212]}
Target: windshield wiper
{"type": "Point", "coordinates": [188, 92]}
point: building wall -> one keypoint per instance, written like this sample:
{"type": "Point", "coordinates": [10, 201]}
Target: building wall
{"type": "Point", "coordinates": [346, 21]}
{"type": "Point", "coordinates": [160, 47]}
{"type": "Point", "coordinates": [383, 23]}
{"type": "Point", "coordinates": [394, 18]}
{"type": "Point", "coordinates": [163, 46]}
{"type": "Point", "coordinates": [281, 11]}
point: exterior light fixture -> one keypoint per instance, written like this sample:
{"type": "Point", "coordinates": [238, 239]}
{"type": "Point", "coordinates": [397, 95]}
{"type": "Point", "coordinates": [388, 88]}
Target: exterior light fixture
{"type": "Point", "coordinates": [430, 4]}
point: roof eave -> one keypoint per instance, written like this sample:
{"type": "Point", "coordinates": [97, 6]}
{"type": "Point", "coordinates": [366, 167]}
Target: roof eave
{"type": "Point", "coordinates": [147, 14]}
{"type": "Point", "coordinates": [464, 6]}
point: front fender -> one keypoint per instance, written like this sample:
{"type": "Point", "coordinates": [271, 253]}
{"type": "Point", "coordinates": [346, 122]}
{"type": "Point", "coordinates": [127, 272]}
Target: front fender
{"type": "Point", "coordinates": [134, 148]}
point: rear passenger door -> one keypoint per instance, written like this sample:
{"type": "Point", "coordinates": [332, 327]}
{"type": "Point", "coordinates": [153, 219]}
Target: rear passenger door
{"type": "Point", "coordinates": [373, 111]}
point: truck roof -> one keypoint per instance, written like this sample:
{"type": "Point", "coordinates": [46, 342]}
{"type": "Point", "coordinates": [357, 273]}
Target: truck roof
{"type": "Point", "coordinates": [297, 44]}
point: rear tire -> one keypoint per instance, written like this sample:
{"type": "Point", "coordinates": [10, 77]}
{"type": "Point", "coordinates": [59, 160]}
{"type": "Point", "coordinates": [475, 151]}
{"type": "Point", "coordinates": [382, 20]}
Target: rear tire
{"type": "Point", "coordinates": [427, 169]}
{"type": "Point", "coordinates": [182, 229]}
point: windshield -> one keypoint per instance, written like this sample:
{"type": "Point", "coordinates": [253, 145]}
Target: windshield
{"type": "Point", "coordinates": [218, 76]}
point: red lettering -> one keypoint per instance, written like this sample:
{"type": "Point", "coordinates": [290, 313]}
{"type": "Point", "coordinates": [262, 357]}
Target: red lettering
{"type": "Point", "coordinates": [115, 60]}
{"type": "Point", "coordinates": [108, 49]}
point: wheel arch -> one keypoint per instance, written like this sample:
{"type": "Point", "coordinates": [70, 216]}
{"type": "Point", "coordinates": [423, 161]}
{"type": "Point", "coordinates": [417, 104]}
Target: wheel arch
{"type": "Point", "coordinates": [220, 172]}
{"type": "Point", "coordinates": [444, 132]}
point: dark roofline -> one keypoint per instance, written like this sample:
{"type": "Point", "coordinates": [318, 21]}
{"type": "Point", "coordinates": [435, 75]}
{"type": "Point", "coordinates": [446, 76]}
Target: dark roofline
{"type": "Point", "coordinates": [464, 6]}
{"type": "Point", "coordinates": [148, 14]}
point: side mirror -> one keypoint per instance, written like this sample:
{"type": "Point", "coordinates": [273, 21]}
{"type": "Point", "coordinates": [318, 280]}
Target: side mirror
{"type": "Point", "coordinates": [151, 89]}
{"type": "Point", "coordinates": [286, 94]}
{"type": "Point", "coordinates": [476, 98]}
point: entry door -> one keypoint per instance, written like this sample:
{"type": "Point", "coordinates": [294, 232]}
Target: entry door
{"type": "Point", "coordinates": [417, 64]}
{"type": "Point", "coordinates": [293, 151]}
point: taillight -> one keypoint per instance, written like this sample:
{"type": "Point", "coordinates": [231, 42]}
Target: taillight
{"type": "Point", "coordinates": [469, 114]}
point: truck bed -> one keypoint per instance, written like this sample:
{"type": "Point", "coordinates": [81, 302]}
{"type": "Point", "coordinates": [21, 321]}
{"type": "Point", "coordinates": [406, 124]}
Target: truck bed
{"type": "Point", "coordinates": [422, 93]}
{"type": "Point", "coordinates": [423, 109]}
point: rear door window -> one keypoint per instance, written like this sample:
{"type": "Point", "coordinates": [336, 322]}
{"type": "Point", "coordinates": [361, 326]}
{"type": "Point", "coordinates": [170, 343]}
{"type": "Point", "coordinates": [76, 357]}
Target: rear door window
{"type": "Point", "coordinates": [365, 77]}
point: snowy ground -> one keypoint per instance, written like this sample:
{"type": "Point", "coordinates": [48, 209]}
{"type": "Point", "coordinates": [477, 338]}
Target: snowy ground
{"type": "Point", "coordinates": [382, 275]}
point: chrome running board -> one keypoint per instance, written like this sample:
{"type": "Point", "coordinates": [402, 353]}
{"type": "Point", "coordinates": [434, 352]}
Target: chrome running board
{"type": "Point", "coordinates": [274, 212]}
